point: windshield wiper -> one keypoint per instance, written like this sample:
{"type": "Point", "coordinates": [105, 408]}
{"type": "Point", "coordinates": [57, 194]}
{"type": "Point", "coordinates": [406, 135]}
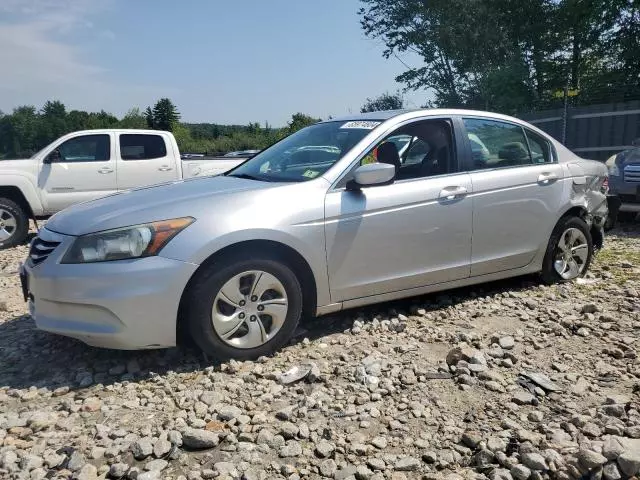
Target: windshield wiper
{"type": "Point", "coordinates": [246, 176]}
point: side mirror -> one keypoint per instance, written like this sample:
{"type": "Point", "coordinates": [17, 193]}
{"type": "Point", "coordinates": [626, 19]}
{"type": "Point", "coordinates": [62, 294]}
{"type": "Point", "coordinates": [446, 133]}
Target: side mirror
{"type": "Point", "coordinates": [53, 157]}
{"type": "Point", "coordinates": [372, 175]}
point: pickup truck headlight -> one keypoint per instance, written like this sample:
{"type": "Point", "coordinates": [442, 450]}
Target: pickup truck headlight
{"type": "Point", "coordinates": [125, 243]}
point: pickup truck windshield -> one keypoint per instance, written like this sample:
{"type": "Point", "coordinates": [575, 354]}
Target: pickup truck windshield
{"type": "Point", "coordinates": [306, 154]}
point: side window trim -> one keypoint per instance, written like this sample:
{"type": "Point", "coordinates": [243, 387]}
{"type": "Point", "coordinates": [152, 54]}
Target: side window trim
{"type": "Point", "coordinates": [550, 148]}
{"type": "Point", "coordinates": [467, 163]}
{"type": "Point", "coordinates": [110, 146]}
{"type": "Point", "coordinates": [457, 150]}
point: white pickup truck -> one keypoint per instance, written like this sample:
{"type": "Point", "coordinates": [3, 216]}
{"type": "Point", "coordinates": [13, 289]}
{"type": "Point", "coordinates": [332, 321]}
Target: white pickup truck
{"type": "Point", "coordinates": [85, 165]}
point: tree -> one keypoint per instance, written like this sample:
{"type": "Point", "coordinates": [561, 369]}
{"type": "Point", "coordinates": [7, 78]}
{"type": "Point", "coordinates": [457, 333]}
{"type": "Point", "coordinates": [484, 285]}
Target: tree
{"type": "Point", "coordinates": [300, 120]}
{"type": "Point", "coordinates": [134, 119]}
{"type": "Point", "coordinates": [148, 117]}
{"type": "Point", "coordinates": [386, 101]}
{"type": "Point", "coordinates": [165, 115]}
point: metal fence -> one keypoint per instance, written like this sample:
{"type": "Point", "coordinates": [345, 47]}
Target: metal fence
{"type": "Point", "coordinates": [596, 131]}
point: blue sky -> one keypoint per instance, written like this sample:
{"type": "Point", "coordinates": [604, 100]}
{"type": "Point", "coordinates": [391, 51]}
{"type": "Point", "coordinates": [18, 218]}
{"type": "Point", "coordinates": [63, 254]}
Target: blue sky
{"type": "Point", "coordinates": [223, 61]}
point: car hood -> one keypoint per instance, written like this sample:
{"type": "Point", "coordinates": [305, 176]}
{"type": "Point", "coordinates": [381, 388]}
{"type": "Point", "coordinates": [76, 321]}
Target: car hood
{"type": "Point", "coordinates": [15, 165]}
{"type": "Point", "coordinates": [628, 156]}
{"type": "Point", "coordinates": [148, 204]}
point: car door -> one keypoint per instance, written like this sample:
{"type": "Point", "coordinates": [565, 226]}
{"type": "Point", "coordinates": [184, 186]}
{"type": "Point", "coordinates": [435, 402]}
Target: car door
{"type": "Point", "coordinates": [76, 170]}
{"type": "Point", "coordinates": [144, 159]}
{"type": "Point", "coordinates": [517, 193]}
{"type": "Point", "coordinates": [411, 233]}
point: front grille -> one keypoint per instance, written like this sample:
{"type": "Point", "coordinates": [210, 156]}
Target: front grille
{"type": "Point", "coordinates": [632, 173]}
{"type": "Point", "coordinates": [40, 250]}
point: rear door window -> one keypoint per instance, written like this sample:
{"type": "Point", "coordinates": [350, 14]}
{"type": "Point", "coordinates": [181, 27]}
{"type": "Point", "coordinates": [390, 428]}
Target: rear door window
{"type": "Point", "coordinates": [496, 144]}
{"type": "Point", "coordinates": [142, 147]}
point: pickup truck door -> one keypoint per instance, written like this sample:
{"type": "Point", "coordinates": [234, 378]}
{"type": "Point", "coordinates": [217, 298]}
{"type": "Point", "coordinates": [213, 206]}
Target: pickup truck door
{"type": "Point", "coordinates": [79, 169]}
{"type": "Point", "coordinates": [145, 159]}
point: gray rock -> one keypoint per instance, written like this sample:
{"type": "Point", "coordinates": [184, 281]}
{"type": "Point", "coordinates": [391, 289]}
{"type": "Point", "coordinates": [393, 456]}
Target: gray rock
{"type": "Point", "coordinates": [520, 472]}
{"type": "Point", "coordinates": [328, 468]}
{"type": "Point", "coordinates": [175, 438]}
{"type": "Point", "coordinates": [542, 380]}
{"type": "Point", "coordinates": [612, 448]}
{"type": "Point", "coordinates": [150, 475]}
{"type": "Point", "coordinates": [363, 473]}
{"type": "Point", "coordinates": [226, 468]}
{"type": "Point", "coordinates": [290, 449]}
{"type": "Point", "coordinates": [500, 474]}
{"type": "Point", "coordinates": [629, 462]}
{"type": "Point", "coordinates": [157, 464]}
{"type": "Point", "coordinates": [376, 464]}
{"type": "Point", "coordinates": [118, 470]}
{"type": "Point", "coordinates": [229, 412]}
{"type": "Point", "coordinates": [76, 461]}
{"type": "Point", "coordinates": [522, 397]}
{"type": "Point", "coordinates": [142, 448]}
{"type": "Point", "coordinates": [534, 461]}
{"type": "Point", "coordinates": [379, 442]}
{"type": "Point", "coordinates": [611, 471]}
{"type": "Point", "coordinates": [348, 472]}
{"type": "Point", "coordinates": [507, 342]}
{"type": "Point", "coordinates": [8, 459]}
{"type": "Point", "coordinates": [325, 449]}
{"type": "Point", "coordinates": [471, 438]}
{"type": "Point", "coordinates": [161, 447]}
{"type": "Point", "coordinates": [88, 472]}
{"type": "Point", "coordinates": [590, 459]}
{"type": "Point", "coordinates": [407, 464]}
{"type": "Point", "coordinates": [199, 439]}
{"type": "Point", "coordinates": [289, 430]}
{"type": "Point", "coordinates": [29, 462]}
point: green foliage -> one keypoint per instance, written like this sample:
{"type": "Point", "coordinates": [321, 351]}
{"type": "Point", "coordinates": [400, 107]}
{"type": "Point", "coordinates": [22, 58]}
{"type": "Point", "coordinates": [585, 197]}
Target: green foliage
{"type": "Point", "coordinates": [512, 55]}
{"type": "Point", "coordinates": [164, 115]}
{"type": "Point", "coordinates": [26, 130]}
{"type": "Point", "coordinates": [386, 101]}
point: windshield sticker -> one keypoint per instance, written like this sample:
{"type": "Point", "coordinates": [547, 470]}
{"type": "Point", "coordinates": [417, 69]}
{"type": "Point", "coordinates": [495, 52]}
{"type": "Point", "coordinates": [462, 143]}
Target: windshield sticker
{"type": "Point", "coordinates": [310, 173]}
{"type": "Point", "coordinates": [366, 125]}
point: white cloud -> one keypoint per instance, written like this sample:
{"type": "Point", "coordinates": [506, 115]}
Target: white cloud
{"type": "Point", "coordinates": [41, 62]}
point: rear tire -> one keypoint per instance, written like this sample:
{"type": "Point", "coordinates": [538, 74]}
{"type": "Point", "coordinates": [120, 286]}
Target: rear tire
{"type": "Point", "coordinates": [14, 224]}
{"type": "Point", "coordinates": [569, 251]}
{"type": "Point", "coordinates": [243, 308]}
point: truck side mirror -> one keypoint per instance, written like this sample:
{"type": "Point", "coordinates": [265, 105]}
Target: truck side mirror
{"type": "Point", "coordinates": [53, 157]}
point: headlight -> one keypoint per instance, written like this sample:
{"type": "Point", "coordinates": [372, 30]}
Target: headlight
{"type": "Point", "coordinates": [614, 170]}
{"type": "Point", "coordinates": [125, 243]}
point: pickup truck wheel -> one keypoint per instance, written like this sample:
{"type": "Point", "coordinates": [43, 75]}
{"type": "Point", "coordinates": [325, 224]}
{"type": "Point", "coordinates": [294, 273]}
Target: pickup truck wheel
{"type": "Point", "coordinates": [14, 224]}
{"type": "Point", "coordinates": [569, 251]}
{"type": "Point", "coordinates": [243, 308]}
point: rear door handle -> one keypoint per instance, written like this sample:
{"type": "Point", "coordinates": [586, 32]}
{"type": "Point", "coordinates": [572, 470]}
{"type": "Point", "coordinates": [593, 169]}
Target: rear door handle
{"type": "Point", "coordinates": [165, 168]}
{"type": "Point", "coordinates": [105, 170]}
{"type": "Point", "coordinates": [451, 193]}
{"type": "Point", "coordinates": [545, 178]}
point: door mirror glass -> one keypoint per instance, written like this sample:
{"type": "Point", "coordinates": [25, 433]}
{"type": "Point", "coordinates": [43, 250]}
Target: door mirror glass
{"type": "Point", "coordinates": [53, 157]}
{"type": "Point", "coordinates": [371, 175]}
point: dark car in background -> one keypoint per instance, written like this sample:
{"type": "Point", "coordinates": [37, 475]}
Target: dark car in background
{"type": "Point", "coordinates": [624, 182]}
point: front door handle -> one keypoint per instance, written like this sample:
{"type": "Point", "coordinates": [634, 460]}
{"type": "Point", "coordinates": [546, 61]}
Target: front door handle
{"type": "Point", "coordinates": [451, 193]}
{"type": "Point", "coordinates": [165, 168]}
{"type": "Point", "coordinates": [547, 177]}
{"type": "Point", "coordinates": [105, 170]}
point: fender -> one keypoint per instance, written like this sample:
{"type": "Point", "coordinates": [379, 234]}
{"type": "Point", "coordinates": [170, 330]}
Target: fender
{"type": "Point", "coordinates": [24, 182]}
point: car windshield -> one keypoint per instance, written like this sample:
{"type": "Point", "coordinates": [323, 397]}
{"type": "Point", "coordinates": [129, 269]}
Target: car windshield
{"type": "Point", "coordinates": [306, 154]}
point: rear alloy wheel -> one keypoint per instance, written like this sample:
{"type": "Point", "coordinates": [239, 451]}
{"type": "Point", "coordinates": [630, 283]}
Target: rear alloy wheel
{"type": "Point", "coordinates": [14, 224]}
{"type": "Point", "coordinates": [243, 309]}
{"type": "Point", "coordinates": [569, 251]}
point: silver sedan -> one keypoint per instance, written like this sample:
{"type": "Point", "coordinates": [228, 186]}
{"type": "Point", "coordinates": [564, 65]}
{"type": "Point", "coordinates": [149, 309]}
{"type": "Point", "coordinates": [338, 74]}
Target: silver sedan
{"type": "Point", "coordinates": [343, 213]}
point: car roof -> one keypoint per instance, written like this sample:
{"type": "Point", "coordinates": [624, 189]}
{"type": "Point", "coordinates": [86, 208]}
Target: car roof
{"type": "Point", "coordinates": [388, 114]}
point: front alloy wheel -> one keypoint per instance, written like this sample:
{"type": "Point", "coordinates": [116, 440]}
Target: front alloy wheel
{"type": "Point", "coordinates": [250, 309]}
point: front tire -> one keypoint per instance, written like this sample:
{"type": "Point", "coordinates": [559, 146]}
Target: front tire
{"type": "Point", "coordinates": [14, 224]}
{"type": "Point", "coordinates": [243, 308]}
{"type": "Point", "coordinates": [569, 251]}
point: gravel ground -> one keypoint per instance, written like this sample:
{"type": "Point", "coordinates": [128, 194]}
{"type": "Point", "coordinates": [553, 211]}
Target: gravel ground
{"type": "Point", "coordinates": [507, 381]}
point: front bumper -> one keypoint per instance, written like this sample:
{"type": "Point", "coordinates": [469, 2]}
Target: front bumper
{"type": "Point", "coordinates": [126, 304]}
